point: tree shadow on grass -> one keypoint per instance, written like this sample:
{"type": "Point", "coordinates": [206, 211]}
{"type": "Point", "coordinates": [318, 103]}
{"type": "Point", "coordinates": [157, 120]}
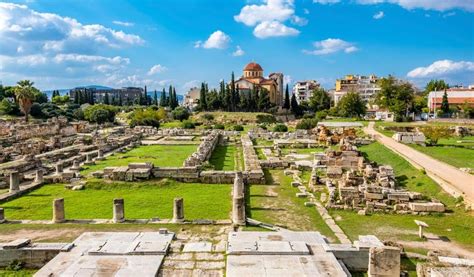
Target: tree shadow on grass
{"type": "Point", "coordinates": [267, 209]}
{"type": "Point", "coordinates": [402, 180]}
{"type": "Point", "coordinates": [264, 196]}
{"type": "Point", "coordinates": [218, 157]}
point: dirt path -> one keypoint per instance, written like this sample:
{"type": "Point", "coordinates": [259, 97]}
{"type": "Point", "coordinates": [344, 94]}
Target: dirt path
{"type": "Point", "coordinates": [444, 247]}
{"type": "Point", "coordinates": [450, 178]}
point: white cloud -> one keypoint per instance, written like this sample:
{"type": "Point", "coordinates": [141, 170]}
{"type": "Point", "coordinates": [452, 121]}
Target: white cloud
{"type": "Point", "coordinates": [61, 58]}
{"type": "Point", "coordinates": [238, 52]}
{"type": "Point", "coordinates": [449, 14]}
{"type": "Point", "coordinates": [191, 84]}
{"type": "Point", "coordinates": [438, 5]}
{"type": "Point", "coordinates": [331, 45]}
{"type": "Point", "coordinates": [442, 68]}
{"type": "Point", "coordinates": [279, 10]}
{"type": "Point", "coordinates": [300, 21]}
{"type": "Point", "coordinates": [217, 40]}
{"type": "Point", "coordinates": [34, 31]}
{"type": "Point", "coordinates": [123, 23]}
{"type": "Point", "coordinates": [287, 80]}
{"type": "Point", "coordinates": [157, 68]}
{"type": "Point", "coordinates": [325, 2]}
{"type": "Point", "coordinates": [268, 29]}
{"type": "Point", "coordinates": [379, 15]}
{"type": "Point", "coordinates": [305, 11]}
{"type": "Point", "coordinates": [269, 17]}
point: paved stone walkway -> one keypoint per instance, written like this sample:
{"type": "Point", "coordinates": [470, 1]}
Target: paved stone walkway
{"type": "Point", "coordinates": [453, 180]}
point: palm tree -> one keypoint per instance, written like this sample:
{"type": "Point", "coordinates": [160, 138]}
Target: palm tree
{"type": "Point", "coordinates": [25, 96]}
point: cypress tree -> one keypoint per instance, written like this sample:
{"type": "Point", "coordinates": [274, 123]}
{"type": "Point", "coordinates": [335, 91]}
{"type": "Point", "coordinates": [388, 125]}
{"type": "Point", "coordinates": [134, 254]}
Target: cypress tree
{"type": "Point", "coordinates": [286, 104]}
{"type": "Point", "coordinates": [163, 98]}
{"type": "Point", "coordinates": [175, 98]}
{"type": "Point", "coordinates": [106, 98]}
{"type": "Point", "coordinates": [155, 98]}
{"type": "Point", "coordinates": [222, 95]}
{"type": "Point", "coordinates": [233, 102]}
{"type": "Point", "coordinates": [295, 108]}
{"type": "Point", "coordinates": [202, 98]}
{"type": "Point", "coordinates": [445, 103]}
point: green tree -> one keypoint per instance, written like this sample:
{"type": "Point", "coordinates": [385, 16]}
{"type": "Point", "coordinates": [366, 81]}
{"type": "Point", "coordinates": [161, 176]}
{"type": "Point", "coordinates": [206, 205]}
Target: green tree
{"type": "Point", "coordinates": [434, 133]}
{"type": "Point", "coordinates": [319, 100]}
{"type": "Point", "coordinates": [295, 108]}
{"type": "Point", "coordinates": [203, 98]}
{"type": "Point", "coordinates": [351, 105]}
{"type": "Point", "coordinates": [25, 96]}
{"type": "Point", "coordinates": [445, 103]}
{"type": "Point", "coordinates": [396, 96]}
{"type": "Point", "coordinates": [286, 104]}
{"type": "Point", "coordinates": [263, 100]}
{"type": "Point", "coordinates": [163, 102]}
{"type": "Point", "coordinates": [436, 85]}
{"type": "Point", "coordinates": [106, 98]}
{"type": "Point", "coordinates": [100, 113]}
{"type": "Point", "coordinates": [180, 113]}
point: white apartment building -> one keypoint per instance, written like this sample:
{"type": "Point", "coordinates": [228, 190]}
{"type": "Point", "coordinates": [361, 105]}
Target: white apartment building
{"type": "Point", "coordinates": [304, 89]}
{"type": "Point", "coordinates": [366, 86]}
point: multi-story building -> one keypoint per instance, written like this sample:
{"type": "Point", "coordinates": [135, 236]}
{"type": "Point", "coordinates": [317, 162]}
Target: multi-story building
{"type": "Point", "coordinates": [191, 99]}
{"type": "Point", "coordinates": [304, 89]}
{"type": "Point", "coordinates": [253, 78]}
{"type": "Point", "coordinates": [127, 95]}
{"type": "Point", "coordinates": [456, 97]}
{"type": "Point", "coordinates": [366, 86]}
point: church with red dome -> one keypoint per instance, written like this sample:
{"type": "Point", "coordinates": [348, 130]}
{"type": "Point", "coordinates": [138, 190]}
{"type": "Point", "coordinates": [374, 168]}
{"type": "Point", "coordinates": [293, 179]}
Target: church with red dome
{"type": "Point", "coordinates": [253, 78]}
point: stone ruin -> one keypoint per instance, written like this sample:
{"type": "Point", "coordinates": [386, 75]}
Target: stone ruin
{"type": "Point", "coordinates": [251, 162]}
{"type": "Point", "coordinates": [204, 150]}
{"type": "Point", "coordinates": [355, 184]}
{"type": "Point", "coordinates": [410, 137]}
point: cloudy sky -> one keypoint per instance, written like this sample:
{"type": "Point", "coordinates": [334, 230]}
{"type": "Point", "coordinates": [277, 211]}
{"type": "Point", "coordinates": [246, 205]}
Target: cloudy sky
{"type": "Point", "coordinates": [62, 44]}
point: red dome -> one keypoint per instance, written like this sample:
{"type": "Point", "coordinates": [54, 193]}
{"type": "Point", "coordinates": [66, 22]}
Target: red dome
{"type": "Point", "coordinates": [253, 67]}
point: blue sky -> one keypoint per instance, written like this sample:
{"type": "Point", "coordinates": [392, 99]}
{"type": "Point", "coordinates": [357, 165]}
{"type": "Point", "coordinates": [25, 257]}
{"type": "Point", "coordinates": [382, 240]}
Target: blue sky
{"type": "Point", "coordinates": [62, 44]}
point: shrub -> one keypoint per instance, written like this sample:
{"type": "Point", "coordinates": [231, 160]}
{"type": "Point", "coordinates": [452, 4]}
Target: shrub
{"type": "Point", "coordinates": [188, 124]}
{"type": "Point", "coordinates": [307, 124]}
{"type": "Point", "coordinates": [145, 117]}
{"type": "Point", "coordinates": [280, 128]}
{"type": "Point", "coordinates": [180, 113]}
{"type": "Point", "coordinates": [35, 110]}
{"type": "Point", "coordinates": [238, 128]}
{"type": "Point", "coordinates": [320, 115]}
{"type": "Point", "coordinates": [100, 113]}
{"type": "Point", "coordinates": [208, 116]}
{"type": "Point", "coordinates": [219, 127]}
{"type": "Point", "coordinates": [266, 118]}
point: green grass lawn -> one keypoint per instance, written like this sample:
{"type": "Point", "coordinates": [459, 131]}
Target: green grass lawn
{"type": "Point", "coordinates": [142, 200]}
{"type": "Point", "coordinates": [455, 156]}
{"type": "Point", "coordinates": [260, 154]}
{"type": "Point", "coordinates": [159, 155]}
{"type": "Point", "coordinates": [278, 204]}
{"type": "Point", "coordinates": [17, 273]}
{"type": "Point", "coordinates": [223, 157]}
{"type": "Point", "coordinates": [456, 225]}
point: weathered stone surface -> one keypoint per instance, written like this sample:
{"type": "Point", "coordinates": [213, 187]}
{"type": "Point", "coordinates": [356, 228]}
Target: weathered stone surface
{"type": "Point", "coordinates": [384, 261]}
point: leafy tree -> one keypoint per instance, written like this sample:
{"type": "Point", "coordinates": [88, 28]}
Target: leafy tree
{"type": "Point", "coordinates": [40, 97]}
{"type": "Point", "coordinates": [286, 104]}
{"type": "Point", "coordinates": [445, 103]}
{"type": "Point", "coordinates": [396, 96]}
{"type": "Point", "coordinates": [7, 107]}
{"type": "Point", "coordinates": [266, 118]}
{"type": "Point", "coordinates": [188, 124]}
{"type": "Point", "coordinates": [434, 133]}
{"type": "Point", "coordinates": [238, 128]}
{"type": "Point", "coordinates": [106, 98]}
{"type": "Point", "coordinates": [319, 100]}
{"type": "Point", "coordinates": [100, 113]}
{"type": "Point", "coordinates": [35, 110]}
{"type": "Point", "coordinates": [436, 85]}
{"type": "Point", "coordinates": [60, 100]}
{"type": "Point", "coordinates": [263, 103]}
{"type": "Point", "coordinates": [180, 113]}
{"type": "Point", "coordinates": [351, 105]}
{"type": "Point", "coordinates": [25, 96]}
{"type": "Point", "coordinates": [214, 102]}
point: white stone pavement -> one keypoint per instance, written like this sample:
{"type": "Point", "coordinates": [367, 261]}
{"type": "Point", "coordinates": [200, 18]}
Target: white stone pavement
{"type": "Point", "coordinates": [451, 179]}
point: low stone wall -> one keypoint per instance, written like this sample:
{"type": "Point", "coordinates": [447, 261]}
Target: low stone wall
{"type": "Point", "coordinates": [204, 150]}
{"type": "Point", "coordinates": [184, 174]}
{"type": "Point", "coordinates": [253, 170]}
{"type": "Point", "coordinates": [217, 177]}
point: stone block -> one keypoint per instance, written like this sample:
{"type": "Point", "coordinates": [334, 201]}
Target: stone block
{"type": "Point", "coordinates": [373, 196]}
{"type": "Point", "coordinates": [427, 207]}
{"type": "Point", "coordinates": [384, 261]}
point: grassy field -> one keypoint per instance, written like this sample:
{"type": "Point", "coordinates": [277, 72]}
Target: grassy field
{"type": "Point", "coordinates": [159, 155]}
{"type": "Point", "coordinates": [223, 157]}
{"type": "Point", "coordinates": [17, 273]}
{"type": "Point", "coordinates": [455, 156]}
{"type": "Point", "coordinates": [456, 225]}
{"type": "Point", "coordinates": [277, 204]}
{"type": "Point", "coordinates": [142, 200]}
